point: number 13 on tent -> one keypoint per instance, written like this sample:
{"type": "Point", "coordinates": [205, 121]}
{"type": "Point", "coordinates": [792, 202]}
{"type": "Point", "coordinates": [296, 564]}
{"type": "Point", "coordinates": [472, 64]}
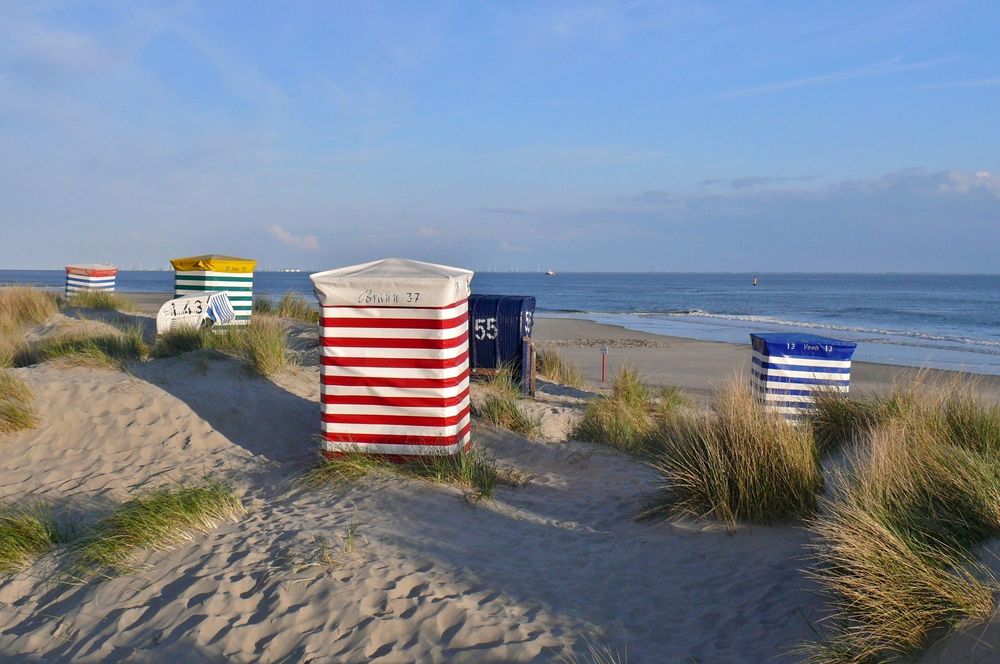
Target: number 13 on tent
{"type": "Point", "coordinates": [486, 328]}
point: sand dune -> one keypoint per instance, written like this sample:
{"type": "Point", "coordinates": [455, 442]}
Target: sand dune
{"type": "Point", "coordinates": [529, 577]}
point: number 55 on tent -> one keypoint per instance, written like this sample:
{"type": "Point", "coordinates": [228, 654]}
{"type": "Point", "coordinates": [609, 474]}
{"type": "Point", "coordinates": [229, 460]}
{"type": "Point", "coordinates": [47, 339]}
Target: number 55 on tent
{"type": "Point", "coordinates": [395, 365]}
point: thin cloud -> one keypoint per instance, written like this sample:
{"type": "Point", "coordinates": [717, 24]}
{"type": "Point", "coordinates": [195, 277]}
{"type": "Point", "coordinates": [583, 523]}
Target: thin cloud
{"type": "Point", "coordinates": [427, 231]}
{"type": "Point", "coordinates": [307, 242]}
{"type": "Point", "coordinates": [504, 210]}
{"type": "Point", "coordinates": [895, 65]}
{"type": "Point", "coordinates": [976, 83]}
{"type": "Point", "coordinates": [754, 182]}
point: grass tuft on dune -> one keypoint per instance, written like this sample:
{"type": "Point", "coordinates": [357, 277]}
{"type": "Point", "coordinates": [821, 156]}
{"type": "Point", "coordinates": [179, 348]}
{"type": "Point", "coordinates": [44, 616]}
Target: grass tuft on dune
{"type": "Point", "coordinates": [291, 305]}
{"type": "Point", "coordinates": [16, 410]}
{"type": "Point", "coordinates": [471, 471]}
{"type": "Point", "coordinates": [109, 350]}
{"type": "Point", "coordinates": [181, 340]}
{"type": "Point", "coordinates": [738, 463]}
{"type": "Point", "coordinates": [629, 417]}
{"type": "Point", "coordinates": [501, 408]}
{"type": "Point", "coordinates": [553, 366]}
{"type": "Point", "coordinates": [27, 533]}
{"type": "Point", "coordinates": [19, 307]}
{"type": "Point", "coordinates": [595, 654]}
{"type": "Point", "coordinates": [23, 306]}
{"type": "Point", "coordinates": [96, 299]}
{"type": "Point", "coordinates": [895, 547]}
{"type": "Point", "coordinates": [156, 520]}
{"type": "Point", "coordinates": [259, 344]}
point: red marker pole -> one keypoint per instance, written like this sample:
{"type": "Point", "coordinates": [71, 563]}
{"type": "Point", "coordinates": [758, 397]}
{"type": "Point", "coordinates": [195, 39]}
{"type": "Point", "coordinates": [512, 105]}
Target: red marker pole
{"type": "Point", "coordinates": [604, 363]}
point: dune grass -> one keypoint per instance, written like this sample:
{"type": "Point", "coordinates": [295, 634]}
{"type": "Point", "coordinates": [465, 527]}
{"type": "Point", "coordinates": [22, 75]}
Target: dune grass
{"type": "Point", "coordinates": [181, 340]}
{"type": "Point", "coordinates": [501, 408]}
{"type": "Point", "coordinates": [156, 520]}
{"type": "Point", "coordinates": [471, 471]}
{"type": "Point", "coordinates": [895, 549]}
{"type": "Point", "coordinates": [19, 307]}
{"type": "Point", "coordinates": [259, 344]}
{"type": "Point", "coordinates": [27, 533]}
{"type": "Point", "coordinates": [262, 345]}
{"type": "Point", "coordinates": [553, 366]}
{"type": "Point", "coordinates": [596, 654]}
{"type": "Point", "coordinates": [738, 463]}
{"type": "Point", "coordinates": [97, 299]}
{"type": "Point", "coordinates": [951, 410]}
{"type": "Point", "coordinates": [109, 350]}
{"type": "Point", "coordinates": [16, 410]}
{"type": "Point", "coordinates": [291, 305]}
{"type": "Point", "coordinates": [629, 417]}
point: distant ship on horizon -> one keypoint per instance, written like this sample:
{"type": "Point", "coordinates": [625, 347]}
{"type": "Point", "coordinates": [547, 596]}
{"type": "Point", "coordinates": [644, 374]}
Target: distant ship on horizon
{"type": "Point", "coordinates": [550, 273]}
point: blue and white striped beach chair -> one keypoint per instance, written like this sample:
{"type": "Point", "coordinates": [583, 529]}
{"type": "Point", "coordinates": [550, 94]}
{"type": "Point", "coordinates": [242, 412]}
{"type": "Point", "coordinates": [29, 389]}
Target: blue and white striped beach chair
{"type": "Point", "coordinates": [789, 368]}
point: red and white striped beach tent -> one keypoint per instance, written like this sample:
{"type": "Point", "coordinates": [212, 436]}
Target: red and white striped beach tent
{"type": "Point", "coordinates": [395, 366]}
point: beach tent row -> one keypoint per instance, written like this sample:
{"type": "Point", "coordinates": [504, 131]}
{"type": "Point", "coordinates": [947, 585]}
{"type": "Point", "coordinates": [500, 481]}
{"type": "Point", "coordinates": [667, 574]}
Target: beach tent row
{"type": "Point", "coordinates": [213, 272]}
{"type": "Point", "coordinates": [90, 277]}
{"type": "Point", "coordinates": [395, 358]}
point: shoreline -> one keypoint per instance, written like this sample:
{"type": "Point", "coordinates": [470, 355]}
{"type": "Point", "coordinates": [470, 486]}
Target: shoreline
{"type": "Point", "coordinates": [692, 364]}
{"type": "Point", "coordinates": [701, 367]}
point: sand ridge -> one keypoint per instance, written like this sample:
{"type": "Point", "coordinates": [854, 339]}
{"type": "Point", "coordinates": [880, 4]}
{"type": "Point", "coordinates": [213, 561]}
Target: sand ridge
{"type": "Point", "coordinates": [534, 574]}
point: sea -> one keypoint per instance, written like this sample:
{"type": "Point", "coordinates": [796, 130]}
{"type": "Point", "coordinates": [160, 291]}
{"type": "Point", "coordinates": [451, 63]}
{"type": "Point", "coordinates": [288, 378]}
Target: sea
{"type": "Point", "coordinates": [920, 320]}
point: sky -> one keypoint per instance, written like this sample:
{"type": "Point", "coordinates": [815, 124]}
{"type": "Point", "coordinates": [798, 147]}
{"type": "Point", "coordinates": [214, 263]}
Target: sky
{"type": "Point", "coordinates": [833, 136]}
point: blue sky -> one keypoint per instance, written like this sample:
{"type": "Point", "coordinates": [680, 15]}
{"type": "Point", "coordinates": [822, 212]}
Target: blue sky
{"type": "Point", "coordinates": [676, 136]}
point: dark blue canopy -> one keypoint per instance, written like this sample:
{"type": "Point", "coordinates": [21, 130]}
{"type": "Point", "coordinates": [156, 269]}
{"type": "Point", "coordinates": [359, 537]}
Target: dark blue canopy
{"type": "Point", "coordinates": [794, 344]}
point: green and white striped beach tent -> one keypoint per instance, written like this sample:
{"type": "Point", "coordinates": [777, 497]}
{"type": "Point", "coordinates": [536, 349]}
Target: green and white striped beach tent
{"type": "Point", "coordinates": [214, 272]}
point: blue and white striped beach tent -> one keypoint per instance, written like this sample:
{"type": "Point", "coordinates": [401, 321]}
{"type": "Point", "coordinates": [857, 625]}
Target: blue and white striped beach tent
{"type": "Point", "coordinates": [788, 369]}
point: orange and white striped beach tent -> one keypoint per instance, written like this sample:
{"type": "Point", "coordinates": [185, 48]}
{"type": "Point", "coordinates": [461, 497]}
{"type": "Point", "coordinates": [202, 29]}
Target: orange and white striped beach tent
{"type": "Point", "coordinates": [395, 357]}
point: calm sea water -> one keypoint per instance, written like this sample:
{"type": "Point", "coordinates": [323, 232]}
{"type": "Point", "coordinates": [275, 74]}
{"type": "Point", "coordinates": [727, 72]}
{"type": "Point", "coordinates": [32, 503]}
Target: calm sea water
{"type": "Point", "coordinates": [941, 321]}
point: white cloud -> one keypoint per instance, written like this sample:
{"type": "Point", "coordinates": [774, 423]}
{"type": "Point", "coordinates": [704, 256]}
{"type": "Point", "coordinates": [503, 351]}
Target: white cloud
{"type": "Point", "coordinates": [427, 231]}
{"type": "Point", "coordinates": [307, 242]}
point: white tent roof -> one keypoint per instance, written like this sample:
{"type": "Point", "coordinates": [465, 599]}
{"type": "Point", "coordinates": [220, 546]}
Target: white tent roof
{"type": "Point", "coordinates": [392, 282]}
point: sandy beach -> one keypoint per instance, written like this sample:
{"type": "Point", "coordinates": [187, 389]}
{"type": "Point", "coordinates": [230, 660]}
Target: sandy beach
{"type": "Point", "coordinates": [533, 576]}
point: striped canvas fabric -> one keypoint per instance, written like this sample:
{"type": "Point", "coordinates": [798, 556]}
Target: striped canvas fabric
{"type": "Point", "coordinates": [239, 288]}
{"type": "Point", "coordinates": [90, 277]}
{"type": "Point", "coordinates": [212, 272]}
{"type": "Point", "coordinates": [395, 374]}
{"type": "Point", "coordinates": [787, 370]}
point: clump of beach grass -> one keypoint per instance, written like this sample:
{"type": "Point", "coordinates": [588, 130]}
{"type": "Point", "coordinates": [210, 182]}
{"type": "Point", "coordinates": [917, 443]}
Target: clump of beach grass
{"type": "Point", "coordinates": [894, 550]}
{"type": "Point", "coordinates": [291, 305]}
{"type": "Point", "coordinates": [596, 654]}
{"type": "Point", "coordinates": [553, 366]}
{"type": "Point", "coordinates": [469, 470]}
{"type": "Point", "coordinates": [260, 344]}
{"type": "Point", "coordinates": [26, 533]}
{"type": "Point", "coordinates": [21, 306]}
{"type": "Point", "coordinates": [628, 417]}
{"type": "Point", "coordinates": [501, 408]}
{"type": "Point", "coordinates": [737, 464]}
{"type": "Point", "coordinates": [156, 520]}
{"type": "Point", "coordinates": [16, 410]}
{"type": "Point", "coordinates": [111, 350]}
{"type": "Point", "coordinates": [180, 340]}
{"type": "Point", "coordinates": [951, 410]}
{"type": "Point", "coordinates": [98, 299]}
